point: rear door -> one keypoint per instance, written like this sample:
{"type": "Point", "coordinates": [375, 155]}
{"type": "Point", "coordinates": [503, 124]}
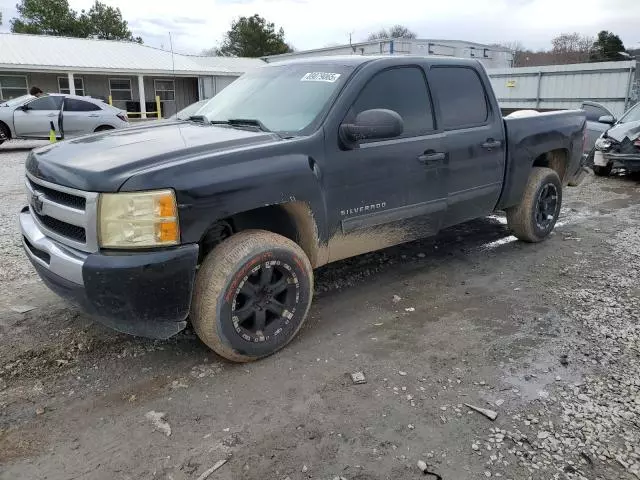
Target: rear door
{"type": "Point", "coordinates": [475, 141]}
{"type": "Point", "coordinates": [385, 192]}
{"type": "Point", "coordinates": [80, 117]}
{"type": "Point", "coordinates": [35, 120]}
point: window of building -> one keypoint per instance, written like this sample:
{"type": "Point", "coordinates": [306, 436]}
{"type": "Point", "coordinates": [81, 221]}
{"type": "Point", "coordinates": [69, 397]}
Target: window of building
{"type": "Point", "coordinates": [165, 89]}
{"type": "Point", "coordinates": [12, 86]}
{"type": "Point", "coordinates": [78, 83]}
{"type": "Point", "coordinates": [461, 95]}
{"type": "Point", "coordinates": [120, 88]}
{"type": "Point", "coordinates": [403, 90]}
{"type": "Point", "coordinates": [74, 105]}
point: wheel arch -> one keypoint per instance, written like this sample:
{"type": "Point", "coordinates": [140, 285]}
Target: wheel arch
{"type": "Point", "coordinates": [293, 220]}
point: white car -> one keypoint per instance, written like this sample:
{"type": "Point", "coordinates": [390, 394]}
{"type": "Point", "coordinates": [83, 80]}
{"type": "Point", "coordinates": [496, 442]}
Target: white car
{"type": "Point", "coordinates": [30, 117]}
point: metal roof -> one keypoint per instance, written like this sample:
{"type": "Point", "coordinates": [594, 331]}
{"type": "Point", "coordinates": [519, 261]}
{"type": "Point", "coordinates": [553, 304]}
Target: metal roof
{"type": "Point", "coordinates": [418, 41]}
{"type": "Point", "coordinates": [80, 55]}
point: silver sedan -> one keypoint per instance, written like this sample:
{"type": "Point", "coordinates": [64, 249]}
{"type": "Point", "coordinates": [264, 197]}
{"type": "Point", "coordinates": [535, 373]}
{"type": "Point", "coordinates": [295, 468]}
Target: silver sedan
{"type": "Point", "coordinates": [32, 117]}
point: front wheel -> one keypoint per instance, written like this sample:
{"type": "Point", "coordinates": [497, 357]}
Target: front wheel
{"type": "Point", "coordinates": [5, 134]}
{"type": "Point", "coordinates": [252, 295]}
{"type": "Point", "coordinates": [536, 215]}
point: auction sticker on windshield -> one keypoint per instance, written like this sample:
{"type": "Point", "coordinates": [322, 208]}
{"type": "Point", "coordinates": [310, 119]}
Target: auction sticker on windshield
{"type": "Point", "coordinates": [320, 77]}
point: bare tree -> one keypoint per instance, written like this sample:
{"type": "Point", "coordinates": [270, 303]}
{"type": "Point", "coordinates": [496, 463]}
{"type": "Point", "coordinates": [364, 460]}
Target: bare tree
{"type": "Point", "coordinates": [397, 31]}
{"type": "Point", "coordinates": [571, 48]}
{"type": "Point", "coordinates": [518, 51]}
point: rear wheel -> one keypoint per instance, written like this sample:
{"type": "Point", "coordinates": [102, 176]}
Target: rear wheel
{"type": "Point", "coordinates": [104, 128]}
{"type": "Point", "coordinates": [252, 295]}
{"type": "Point", "coordinates": [536, 215]}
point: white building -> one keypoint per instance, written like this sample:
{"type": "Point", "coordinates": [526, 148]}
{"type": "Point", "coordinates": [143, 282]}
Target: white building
{"type": "Point", "coordinates": [130, 73]}
{"type": "Point", "coordinates": [490, 56]}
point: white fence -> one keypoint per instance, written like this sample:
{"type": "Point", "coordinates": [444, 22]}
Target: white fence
{"type": "Point", "coordinates": [613, 84]}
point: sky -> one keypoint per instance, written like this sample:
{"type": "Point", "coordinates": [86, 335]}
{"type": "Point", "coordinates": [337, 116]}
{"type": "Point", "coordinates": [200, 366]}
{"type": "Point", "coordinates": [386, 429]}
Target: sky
{"type": "Point", "coordinates": [196, 25]}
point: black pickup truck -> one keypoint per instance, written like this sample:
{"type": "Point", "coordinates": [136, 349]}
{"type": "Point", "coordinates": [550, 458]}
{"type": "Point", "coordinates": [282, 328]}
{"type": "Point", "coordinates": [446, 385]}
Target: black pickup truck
{"type": "Point", "coordinates": [221, 219]}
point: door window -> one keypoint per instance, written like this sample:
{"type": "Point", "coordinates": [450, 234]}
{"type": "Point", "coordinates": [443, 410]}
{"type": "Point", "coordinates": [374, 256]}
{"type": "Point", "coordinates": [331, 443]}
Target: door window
{"type": "Point", "coordinates": [461, 96]}
{"type": "Point", "coordinates": [403, 90]}
{"type": "Point", "coordinates": [45, 103]}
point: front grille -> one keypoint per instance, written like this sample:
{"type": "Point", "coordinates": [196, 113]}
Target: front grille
{"type": "Point", "coordinates": [62, 198]}
{"type": "Point", "coordinates": [64, 214]}
{"type": "Point", "coordinates": [77, 234]}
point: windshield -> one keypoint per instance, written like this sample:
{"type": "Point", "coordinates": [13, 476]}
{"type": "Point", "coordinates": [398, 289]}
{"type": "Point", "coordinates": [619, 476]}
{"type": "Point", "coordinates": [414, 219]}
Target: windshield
{"type": "Point", "coordinates": [186, 112]}
{"type": "Point", "coordinates": [632, 115]}
{"type": "Point", "coordinates": [16, 101]}
{"type": "Point", "coordinates": [287, 98]}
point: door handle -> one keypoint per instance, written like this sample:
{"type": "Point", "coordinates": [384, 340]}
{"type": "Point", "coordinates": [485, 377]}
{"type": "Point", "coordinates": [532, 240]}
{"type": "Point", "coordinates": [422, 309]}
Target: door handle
{"type": "Point", "coordinates": [432, 158]}
{"type": "Point", "coordinates": [52, 115]}
{"type": "Point", "coordinates": [491, 143]}
{"type": "Point", "coordinates": [94, 115]}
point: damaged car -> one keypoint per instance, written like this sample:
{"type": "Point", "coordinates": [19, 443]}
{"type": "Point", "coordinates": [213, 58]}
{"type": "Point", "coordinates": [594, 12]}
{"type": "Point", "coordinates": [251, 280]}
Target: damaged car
{"type": "Point", "coordinates": [619, 146]}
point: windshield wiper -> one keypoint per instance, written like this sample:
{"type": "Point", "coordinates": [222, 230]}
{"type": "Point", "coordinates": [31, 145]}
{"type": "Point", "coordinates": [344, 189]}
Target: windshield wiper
{"type": "Point", "coordinates": [249, 122]}
{"type": "Point", "coordinates": [199, 119]}
{"type": "Point", "coordinates": [232, 122]}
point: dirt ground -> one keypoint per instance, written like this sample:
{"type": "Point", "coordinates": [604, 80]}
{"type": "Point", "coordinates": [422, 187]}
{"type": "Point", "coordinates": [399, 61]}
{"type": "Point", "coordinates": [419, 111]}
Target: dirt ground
{"type": "Point", "coordinates": [545, 335]}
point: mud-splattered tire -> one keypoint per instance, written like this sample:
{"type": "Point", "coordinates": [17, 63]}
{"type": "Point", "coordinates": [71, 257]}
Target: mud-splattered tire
{"type": "Point", "coordinates": [536, 215]}
{"type": "Point", "coordinates": [252, 295]}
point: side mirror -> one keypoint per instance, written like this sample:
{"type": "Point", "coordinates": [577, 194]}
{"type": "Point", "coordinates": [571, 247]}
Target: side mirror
{"type": "Point", "coordinates": [608, 119]}
{"type": "Point", "coordinates": [24, 108]}
{"type": "Point", "coordinates": [372, 124]}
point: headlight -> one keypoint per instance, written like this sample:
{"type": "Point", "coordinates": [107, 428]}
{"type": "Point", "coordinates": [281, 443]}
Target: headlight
{"type": "Point", "coordinates": [138, 219]}
{"type": "Point", "coordinates": [603, 144]}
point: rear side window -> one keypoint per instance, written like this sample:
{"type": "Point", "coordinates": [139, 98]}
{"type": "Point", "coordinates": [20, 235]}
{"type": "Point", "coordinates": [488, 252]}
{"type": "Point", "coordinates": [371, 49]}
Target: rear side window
{"type": "Point", "coordinates": [403, 90]}
{"type": "Point", "coordinates": [73, 105]}
{"type": "Point", "coordinates": [459, 90]}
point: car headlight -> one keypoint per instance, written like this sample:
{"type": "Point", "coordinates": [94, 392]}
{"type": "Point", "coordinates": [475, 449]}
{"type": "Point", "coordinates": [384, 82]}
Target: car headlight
{"type": "Point", "coordinates": [603, 144]}
{"type": "Point", "coordinates": [138, 219]}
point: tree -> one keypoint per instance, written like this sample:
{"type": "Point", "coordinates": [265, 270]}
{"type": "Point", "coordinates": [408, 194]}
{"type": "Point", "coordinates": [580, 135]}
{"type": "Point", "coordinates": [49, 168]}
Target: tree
{"type": "Point", "coordinates": [520, 54]}
{"type": "Point", "coordinates": [607, 47]}
{"type": "Point", "coordinates": [55, 17]}
{"type": "Point", "coordinates": [46, 17]}
{"type": "Point", "coordinates": [252, 37]}
{"type": "Point", "coordinates": [105, 22]}
{"type": "Point", "coordinates": [571, 48]}
{"type": "Point", "coordinates": [397, 31]}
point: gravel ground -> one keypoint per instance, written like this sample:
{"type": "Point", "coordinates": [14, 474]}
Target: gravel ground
{"type": "Point", "coordinates": [547, 336]}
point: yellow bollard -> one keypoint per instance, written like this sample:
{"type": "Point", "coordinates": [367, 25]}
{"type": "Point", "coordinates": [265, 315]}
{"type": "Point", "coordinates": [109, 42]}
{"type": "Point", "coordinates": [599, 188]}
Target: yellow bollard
{"type": "Point", "coordinates": [110, 100]}
{"type": "Point", "coordinates": [52, 133]}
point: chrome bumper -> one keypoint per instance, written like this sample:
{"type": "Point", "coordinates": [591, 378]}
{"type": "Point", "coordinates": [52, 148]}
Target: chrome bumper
{"type": "Point", "coordinates": [51, 255]}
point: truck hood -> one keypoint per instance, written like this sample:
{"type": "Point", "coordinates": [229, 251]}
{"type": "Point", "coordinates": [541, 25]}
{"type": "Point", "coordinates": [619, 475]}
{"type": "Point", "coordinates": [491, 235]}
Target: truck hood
{"type": "Point", "coordinates": [103, 162]}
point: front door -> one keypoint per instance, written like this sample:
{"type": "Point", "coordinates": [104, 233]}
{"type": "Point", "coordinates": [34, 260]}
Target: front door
{"type": "Point", "coordinates": [385, 192]}
{"type": "Point", "coordinates": [34, 119]}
